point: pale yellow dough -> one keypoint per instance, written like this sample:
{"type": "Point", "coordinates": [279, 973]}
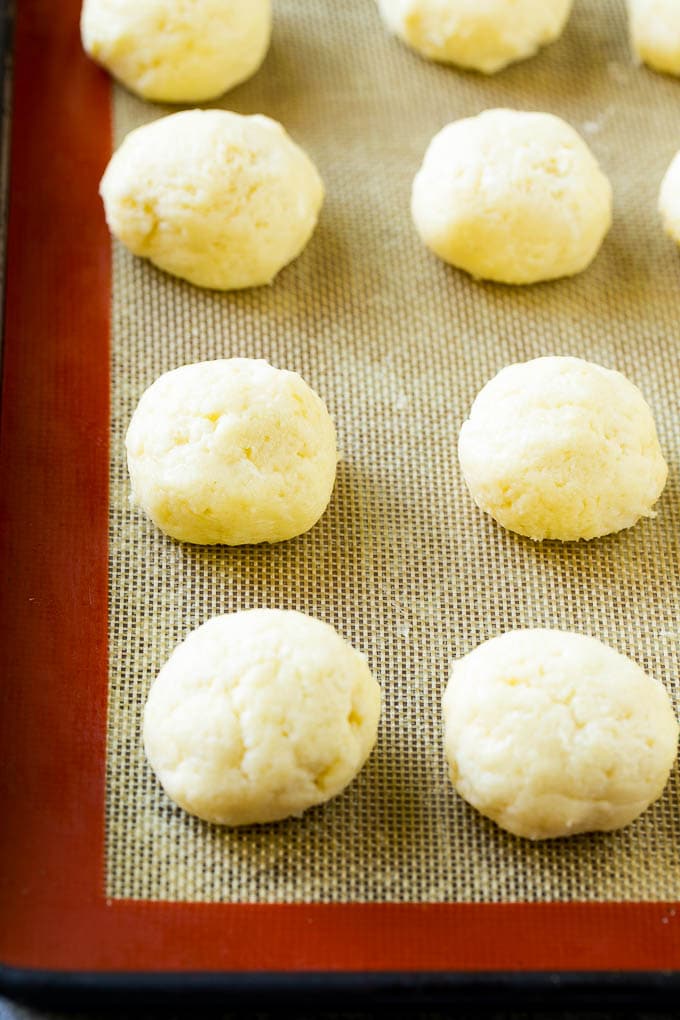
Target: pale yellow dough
{"type": "Point", "coordinates": [551, 733]}
{"type": "Point", "coordinates": [231, 451]}
{"type": "Point", "coordinates": [562, 448]}
{"type": "Point", "coordinates": [222, 200]}
{"type": "Point", "coordinates": [655, 33]}
{"type": "Point", "coordinates": [177, 51]}
{"type": "Point", "coordinates": [259, 715]}
{"type": "Point", "coordinates": [669, 199]}
{"type": "Point", "coordinates": [513, 197]}
{"type": "Point", "coordinates": [483, 35]}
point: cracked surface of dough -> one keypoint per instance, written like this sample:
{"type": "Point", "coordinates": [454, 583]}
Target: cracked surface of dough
{"type": "Point", "coordinates": [231, 452]}
{"type": "Point", "coordinates": [669, 199]}
{"type": "Point", "coordinates": [551, 733]}
{"type": "Point", "coordinates": [655, 33]}
{"type": "Point", "coordinates": [259, 715]}
{"type": "Point", "coordinates": [177, 51]}
{"type": "Point", "coordinates": [562, 448]}
{"type": "Point", "coordinates": [483, 35]}
{"type": "Point", "coordinates": [512, 196]}
{"type": "Point", "coordinates": [220, 199]}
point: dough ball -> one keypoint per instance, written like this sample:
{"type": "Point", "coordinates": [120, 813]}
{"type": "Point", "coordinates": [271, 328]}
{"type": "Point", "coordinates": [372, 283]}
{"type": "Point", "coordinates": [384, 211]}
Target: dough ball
{"type": "Point", "coordinates": [485, 35]}
{"type": "Point", "coordinates": [231, 452]}
{"type": "Point", "coordinates": [172, 51]}
{"type": "Point", "coordinates": [260, 715]}
{"type": "Point", "coordinates": [655, 33]}
{"type": "Point", "coordinates": [669, 200]}
{"type": "Point", "coordinates": [561, 448]}
{"type": "Point", "coordinates": [221, 200]}
{"type": "Point", "coordinates": [550, 734]}
{"type": "Point", "coordinates": [512, 197]}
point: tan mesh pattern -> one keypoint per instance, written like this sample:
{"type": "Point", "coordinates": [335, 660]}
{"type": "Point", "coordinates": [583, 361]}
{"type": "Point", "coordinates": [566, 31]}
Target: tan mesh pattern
{"type": "Point", "coordinates": [402, 563]}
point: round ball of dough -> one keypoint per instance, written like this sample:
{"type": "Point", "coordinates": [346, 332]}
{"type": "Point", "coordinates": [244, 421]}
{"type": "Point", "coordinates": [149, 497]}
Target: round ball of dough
{"type": "Point", "coordinates": [655, 33]}
{"type": "Point", "coordinates": [550, 734]}
{"type": "Point", "coordinates": [485, 35]}
{"type": "Point", "coordinates": [669, 199]}
{"type": "Point", "coordinates": [562, 448]}
{"type": "Point", "coordinates": [222, 200]}
{"type": "Point", "coordinates": [231, 452]}
{"type": "Point", "coordinates": [512, 197]}
{"type": "Point", "coordinates": [172, 51]}
{"type": "Point", "coordinates": [260, 715]}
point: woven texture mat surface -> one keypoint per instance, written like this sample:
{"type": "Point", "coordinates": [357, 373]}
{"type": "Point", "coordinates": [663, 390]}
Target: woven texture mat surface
{"type": "Point", "coordinates": [402, 563]}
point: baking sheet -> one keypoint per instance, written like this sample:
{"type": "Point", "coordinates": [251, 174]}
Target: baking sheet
{"type": "Point", "coordinates": [402, 563]}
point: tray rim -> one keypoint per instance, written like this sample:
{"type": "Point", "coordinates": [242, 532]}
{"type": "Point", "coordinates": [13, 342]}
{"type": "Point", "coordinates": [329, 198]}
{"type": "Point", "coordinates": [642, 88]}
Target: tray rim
{"type": "Point", "coordinates": [364, 989]}
{"type": "Point", "coordinates": [503, 988]}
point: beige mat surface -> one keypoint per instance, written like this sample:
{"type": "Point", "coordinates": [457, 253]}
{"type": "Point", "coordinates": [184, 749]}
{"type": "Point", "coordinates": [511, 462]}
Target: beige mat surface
{"type": "Point", "coordinates": [402, 563]}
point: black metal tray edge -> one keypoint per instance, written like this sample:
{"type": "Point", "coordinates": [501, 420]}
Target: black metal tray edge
{"type": "Point", "coordinates": [361, 990]}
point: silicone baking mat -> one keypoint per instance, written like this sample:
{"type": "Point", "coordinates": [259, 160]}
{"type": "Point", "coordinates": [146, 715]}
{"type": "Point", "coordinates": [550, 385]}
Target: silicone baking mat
{"type": "Point", "coordinates": [403, 563]}
{"type": "Point", "coordinates": [397, 872]}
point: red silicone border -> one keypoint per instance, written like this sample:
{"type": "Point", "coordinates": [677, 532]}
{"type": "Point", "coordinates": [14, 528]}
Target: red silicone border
{"type": "Point", "coordinates": [53, 603]}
